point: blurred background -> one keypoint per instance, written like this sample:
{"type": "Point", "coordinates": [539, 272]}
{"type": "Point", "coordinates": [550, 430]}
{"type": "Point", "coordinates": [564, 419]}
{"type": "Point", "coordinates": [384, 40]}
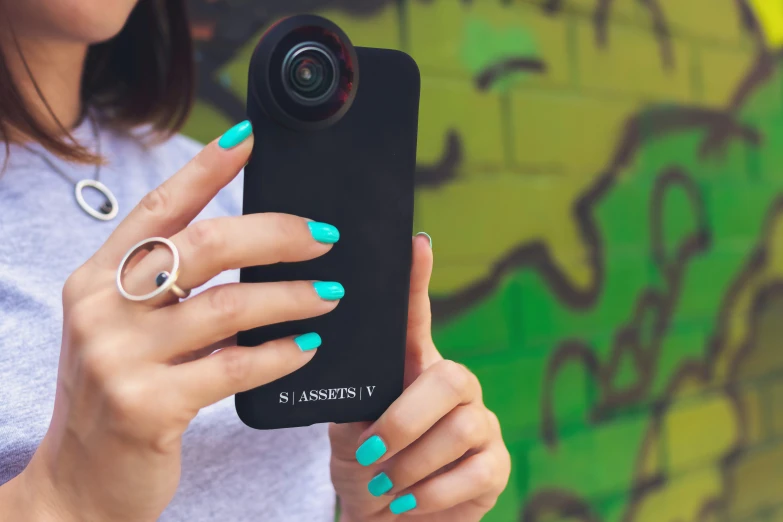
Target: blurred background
{"type": "Point", "coordinates": [603, 181]}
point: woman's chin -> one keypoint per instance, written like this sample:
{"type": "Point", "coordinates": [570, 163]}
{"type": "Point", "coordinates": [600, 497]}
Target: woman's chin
{"type": "Point", "coordinates": [83, 21]}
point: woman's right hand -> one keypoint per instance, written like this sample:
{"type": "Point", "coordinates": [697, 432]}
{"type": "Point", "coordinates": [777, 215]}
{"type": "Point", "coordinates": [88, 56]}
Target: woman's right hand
{"type": "Point", "coordinates": [133, 375]}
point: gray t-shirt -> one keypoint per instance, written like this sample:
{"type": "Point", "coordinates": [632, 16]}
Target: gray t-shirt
{"type": "Point", "coordinates": [229, 472]}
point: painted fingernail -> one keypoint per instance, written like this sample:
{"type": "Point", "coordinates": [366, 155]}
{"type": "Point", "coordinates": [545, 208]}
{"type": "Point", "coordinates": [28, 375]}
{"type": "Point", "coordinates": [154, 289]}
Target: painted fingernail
{"type": "Point", "coordinates": [371, 450]}
{"type": "Point", "coordinates": [324, 233]}
{"type": "Point", "coordinates": [329, 291]}
{"type": "Point", "coordinates": [308, 342]}
{"type": "Point", "coordinates": [380, 484]}
{"type": "Point", "coordinates": [236, 135]}
{"type": "Point", "coordinates": [403, 504]}
{"type": "Point", "coordinates": [425, 235]}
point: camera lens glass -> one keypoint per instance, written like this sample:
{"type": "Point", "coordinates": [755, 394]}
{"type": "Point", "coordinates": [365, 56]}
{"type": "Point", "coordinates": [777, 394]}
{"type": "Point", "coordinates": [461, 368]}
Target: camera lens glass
{"type": "Point", "coordinates": [310, 72]}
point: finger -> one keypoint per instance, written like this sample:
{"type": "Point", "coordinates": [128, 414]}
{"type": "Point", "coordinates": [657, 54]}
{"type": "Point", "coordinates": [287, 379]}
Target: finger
{"type": "Point", "coordinates": [238, 369]}
{"type": "Point", "coordinates": [420, 351]}
{"type": "Point", "coordinates": [222, 311]}
{"type": "Point", "coordinates": [203, 352]}
{"type": "Point", "coordinates": [170, 207]}
{"type": "Point", "coordinates": [419, 312]}
{"type": "Point", "coordinates": [477, 480]}
{"type": "Point", "coordinates": [466, 428]}
{"type": "Point", "coordinates": [441, 388]}
{"type": "Point", "coordinates": [209, 247]}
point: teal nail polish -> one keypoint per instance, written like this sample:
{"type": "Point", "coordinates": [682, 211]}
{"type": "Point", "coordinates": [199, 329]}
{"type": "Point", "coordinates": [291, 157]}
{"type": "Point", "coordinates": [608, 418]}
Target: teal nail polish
{"type": "Point", "coordinates": [380, 484]}
{"type": "Point", "coordinates": [425, 235]}
{"type": "Point", "coordinates": [329, 291]}
{"type": "Point", "coordinates": [236, 135]}
{"type": "Point", "coordinates": [372, 449]}
{"type": "Point", "coordinates": [324, 233]}
{"type": "Point", "coordinates": [308, 342]}
{"type": "Point", "coordinates": [402, 504]}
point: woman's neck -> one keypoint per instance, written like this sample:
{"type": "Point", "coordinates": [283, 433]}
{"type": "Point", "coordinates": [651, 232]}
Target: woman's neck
{"type": "Point", "coordinates": [50, 71]}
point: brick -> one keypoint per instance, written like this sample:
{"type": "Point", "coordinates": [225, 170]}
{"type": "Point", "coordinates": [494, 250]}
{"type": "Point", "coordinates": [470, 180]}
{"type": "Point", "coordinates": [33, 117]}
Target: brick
{"type": "Point", "coordinates": [745, 226]}
{"type": "Point", "coordinates": [545, 322]}
{"type": "Point", "coordinates": [706, 281]}
{"type": "Point", "coordinates": [626, 277]}
{"type": "Point", "coordinates": [465, 38]}
{"type": "Point", "coordinates": [682, 498]}
{"type": "Point", "coordinates": [452, 105]}
{"type": "Point", "coordinates": [631, 63]}
{"type": "Point", "coordinates": [515, 211]}
{"type": "Point", "coordinates": [769, 158]}
{"type": "Point", "coordinates": [775, 402]}
{"type": "Point", "coordinates": [512, 389]}
{"type": "Point", "coordinates": [722, 70]}
{"type": "Point", "coordinates": [756, 476]}
{"type": "Point", "coordinates": [623, 216]}
{"type": "Point", "coordinates": [765, 360]}
{"type": "Point", "coordinates": [574, 135]}
{"type": "Point", "coordinates": [709, 19]}
{"type": "Point", "coordinates": [699, 431]}
{"type": "Point", "coordinates": [620, 9]}
{"type": "Point", "coordinates": [679, 346]}
{"type": "Point", "coordinates": [596, 462]}
{"type": "Point", "coordinates": [766, 101]}
{"type": "Point", "coordinates": [754, 421]}
{"type": "Point", "coordinates": [382, 29]}
{"type": "Point", "coordinates": [485, 330]}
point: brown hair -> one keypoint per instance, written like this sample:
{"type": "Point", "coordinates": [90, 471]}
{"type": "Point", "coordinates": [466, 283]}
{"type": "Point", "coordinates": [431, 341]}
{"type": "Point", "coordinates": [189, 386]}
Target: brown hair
{"type": "Point", "coordinates": [144, 75]}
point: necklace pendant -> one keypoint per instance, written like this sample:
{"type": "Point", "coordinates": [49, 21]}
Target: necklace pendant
{"type": "Point", "coordinates": [107, 211]}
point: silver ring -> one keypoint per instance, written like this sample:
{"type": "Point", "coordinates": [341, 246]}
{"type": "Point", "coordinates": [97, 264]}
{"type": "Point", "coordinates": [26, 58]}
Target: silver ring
{"type": "Point", "coordinates": [165, 281]}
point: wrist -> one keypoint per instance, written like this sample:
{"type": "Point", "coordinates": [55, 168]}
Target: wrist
{"type": "Point", "coordinates": [31, 497]}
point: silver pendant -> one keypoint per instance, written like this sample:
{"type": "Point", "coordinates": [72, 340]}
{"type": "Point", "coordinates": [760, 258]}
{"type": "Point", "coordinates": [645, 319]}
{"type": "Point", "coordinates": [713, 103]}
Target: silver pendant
{"type": "Point", "coordinates": [110, 207]}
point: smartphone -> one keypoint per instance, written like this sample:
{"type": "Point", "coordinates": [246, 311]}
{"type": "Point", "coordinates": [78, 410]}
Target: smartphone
{"type": "Point", "coordinates": [335, 141]}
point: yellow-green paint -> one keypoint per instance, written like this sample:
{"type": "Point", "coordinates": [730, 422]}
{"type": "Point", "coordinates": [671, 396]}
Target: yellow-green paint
{"type": "Point", "coordinates": [609, 254]}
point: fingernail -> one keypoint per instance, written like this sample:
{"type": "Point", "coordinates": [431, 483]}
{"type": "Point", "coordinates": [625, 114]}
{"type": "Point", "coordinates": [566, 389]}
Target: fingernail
{"type": "Point", "coordinates": [329, 291]}
{"type": "Point", "coordinates": [324, 233]}
{"type": "Point", "coordinates": [380, 484]}
{"type": "Point", "coordinates": [236, 135]}
{"type": "Point", "coordinates": [425, 235]}
{"type": "Point", "coordinates": [308, 342]}
{"type": "Point", "coordinates": [402, 504]}
{"type": "Point", "coordinates": [370, 451]}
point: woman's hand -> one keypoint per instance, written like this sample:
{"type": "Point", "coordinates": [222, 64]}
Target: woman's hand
{"type": "Point", "coordinates": [133, 375]}
{"type": "Point", "coordinates": [437, 453]}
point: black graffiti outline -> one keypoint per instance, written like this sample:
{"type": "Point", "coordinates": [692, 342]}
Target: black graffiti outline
{"type": "Point", "coordinates": [653, 123]}
{"type": "Point", "coordinates": [644, 484]}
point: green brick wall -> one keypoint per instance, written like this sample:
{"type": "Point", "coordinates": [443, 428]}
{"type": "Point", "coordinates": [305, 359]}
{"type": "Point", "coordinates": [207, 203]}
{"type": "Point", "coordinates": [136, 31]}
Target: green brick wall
{"type": "Point", "coordinates": [604, 185]}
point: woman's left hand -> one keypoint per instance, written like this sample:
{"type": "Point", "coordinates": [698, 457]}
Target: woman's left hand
{"type": "Point", "coordinates": [437, 453]}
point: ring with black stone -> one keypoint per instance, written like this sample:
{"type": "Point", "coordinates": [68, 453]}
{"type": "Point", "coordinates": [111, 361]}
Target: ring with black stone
{"type": "Point", "coordinates": [165, 281]}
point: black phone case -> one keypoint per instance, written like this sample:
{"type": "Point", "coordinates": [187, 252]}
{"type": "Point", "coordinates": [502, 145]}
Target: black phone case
{"type": "Point", "coordinates": [357, 175]}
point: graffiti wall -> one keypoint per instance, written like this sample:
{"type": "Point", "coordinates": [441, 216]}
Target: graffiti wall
{"type": "Point", "coordinates": [603, 181]}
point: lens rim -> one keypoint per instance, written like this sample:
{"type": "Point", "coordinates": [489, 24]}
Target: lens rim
{"type": "Point", "coordinates": [287, 71]}
{"type": "Point", "coordinates": [265, 82]}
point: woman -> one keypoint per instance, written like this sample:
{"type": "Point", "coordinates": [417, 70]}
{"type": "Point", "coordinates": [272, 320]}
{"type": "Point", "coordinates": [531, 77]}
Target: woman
{"type": "Point", "coordinates": [96, 391]}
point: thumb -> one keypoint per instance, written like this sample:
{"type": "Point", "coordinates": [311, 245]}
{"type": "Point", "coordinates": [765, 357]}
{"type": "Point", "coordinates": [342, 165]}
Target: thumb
{"type": "Point", "coordinates": [420, 349]}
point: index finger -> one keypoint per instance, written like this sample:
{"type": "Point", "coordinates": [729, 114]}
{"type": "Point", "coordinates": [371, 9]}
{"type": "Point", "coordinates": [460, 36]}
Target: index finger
{"type": "Point", "coordinates": [170, 207]}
